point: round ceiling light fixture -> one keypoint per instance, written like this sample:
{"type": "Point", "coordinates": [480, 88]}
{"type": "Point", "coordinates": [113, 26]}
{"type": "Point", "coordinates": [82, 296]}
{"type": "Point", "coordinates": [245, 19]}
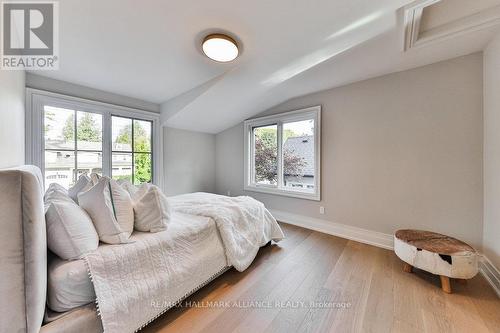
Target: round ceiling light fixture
{"type": "Point", "coordinates": [220, 47]}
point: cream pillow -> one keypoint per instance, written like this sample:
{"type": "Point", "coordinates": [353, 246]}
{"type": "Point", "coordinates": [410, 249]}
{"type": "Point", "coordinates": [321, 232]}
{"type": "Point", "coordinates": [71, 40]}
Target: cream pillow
{"type": "Point", "coordinates": [70, 232]}
{"type": "Point", "coordinates": [151, 209]}
{"type": "Point", "coordinates": [139, 191]}
{"type": "Point", "coordinates": [84, 183]}
{"type": "Point", "coordinates": [111, 210]}
{"type": "Point", "coordinates": [54, 187]}
{"type": "Point", "coordinates": [94, 178]}
{"type": "Point", "coordinates": [55, 192]}
{"type": "Point", "coordinates": [128, 186]}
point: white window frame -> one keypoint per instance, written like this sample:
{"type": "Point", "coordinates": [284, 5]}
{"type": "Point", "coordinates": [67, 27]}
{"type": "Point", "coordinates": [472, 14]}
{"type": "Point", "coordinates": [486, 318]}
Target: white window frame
{"type": "Point", "coordinates": [279, 119]}
{"type": "Point", "coordinates": [35, 139]}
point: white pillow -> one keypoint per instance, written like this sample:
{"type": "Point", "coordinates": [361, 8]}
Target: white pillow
{"type": "Point", "coordinates": [111, 210]}
{"type": "Point", "coordinates": [83, 184]}
{"type": "Point", "coordinates": [70, 232]}
{"type": "Point", "coordinates": [139, 191]}
{"type": "Point", "coordinates": [56, 187]}
{"type": "Point", "coordinates": [151, 209]}
{"type": "Point", "coordinates": [128, 186]}
{"type": "Point", "coordinates": [55, 192]}
{"type": "Point", "coordinates": [94, 177]}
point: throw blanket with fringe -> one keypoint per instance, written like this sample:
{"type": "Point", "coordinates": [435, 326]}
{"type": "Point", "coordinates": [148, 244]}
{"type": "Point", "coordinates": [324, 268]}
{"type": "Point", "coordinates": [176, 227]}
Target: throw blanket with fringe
{"type": "Point", "coordinates": [243, 222]}
{"type": "Point", "coordinates": [138, 281]}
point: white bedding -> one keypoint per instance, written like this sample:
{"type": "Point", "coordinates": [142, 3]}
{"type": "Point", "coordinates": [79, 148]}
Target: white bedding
{"type": "Point", "coordinates": [136, 282]}
{"type": "Point", "coordinates": [243, 222]}
{"type": "Point", "coordinates": [68, 284]}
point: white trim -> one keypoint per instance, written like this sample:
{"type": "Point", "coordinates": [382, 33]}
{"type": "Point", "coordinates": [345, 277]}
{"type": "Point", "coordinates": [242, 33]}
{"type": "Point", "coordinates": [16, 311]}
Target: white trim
{"type": "Point", "coordinates": [412, 18]}
{"type": "Point", "coordinates": [375, 238]}
{"type": "Point", "coordinates": [313, 112]}
{"type": "Point", "coordinates": [35, 99]}
{"type": "Point", "coordinates": [365, 236]}
{"type": "Point", "coordinates": [487, 18]}
{"type": "Point", "coordinates": [490, 273]}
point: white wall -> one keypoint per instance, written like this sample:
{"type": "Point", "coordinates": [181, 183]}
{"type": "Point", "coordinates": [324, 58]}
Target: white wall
{"type": "Point", "coordinates": [12, 94]}
{"type": "Point", "coordinates": [398, 151]}
{"type": "Point", "coordinates": [491, 239]}
{"type": "Point", "coordinates": [75, 90]}
{"type": "Point", "coordinates": [189, 161]}
{"type": "Point", "coordinates": [188, 157]}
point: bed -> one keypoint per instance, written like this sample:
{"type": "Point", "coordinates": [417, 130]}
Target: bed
{"type": "Point", "coordinates": [157, 270]}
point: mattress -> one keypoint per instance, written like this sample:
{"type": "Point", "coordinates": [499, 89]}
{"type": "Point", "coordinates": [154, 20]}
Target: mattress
{"type": "Point", "coordinates": [69, 285]}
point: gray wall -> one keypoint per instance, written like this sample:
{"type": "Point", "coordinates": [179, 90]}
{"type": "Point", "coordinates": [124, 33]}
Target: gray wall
{"type": "Point", "coordinates": [75, 90]}
{"type": "Point", "coordinates": [491, 239]}
{"type": "Point", "coordinates": [398, 151]}
{"type": "Point", "coordinates": [12, 100]}
{"type": "Point", "coordinates": [189, 161]}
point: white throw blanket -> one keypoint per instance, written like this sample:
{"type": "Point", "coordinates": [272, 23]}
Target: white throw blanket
{"type": "Point", "coordinates": [243, 222]}
{"type": "Point", "coordinates": [136, 282]}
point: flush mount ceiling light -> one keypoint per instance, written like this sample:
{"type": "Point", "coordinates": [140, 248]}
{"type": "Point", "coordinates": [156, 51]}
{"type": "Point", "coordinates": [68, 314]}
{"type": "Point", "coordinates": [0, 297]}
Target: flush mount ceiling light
{"type": "Point", "coordinates": [219, 47]}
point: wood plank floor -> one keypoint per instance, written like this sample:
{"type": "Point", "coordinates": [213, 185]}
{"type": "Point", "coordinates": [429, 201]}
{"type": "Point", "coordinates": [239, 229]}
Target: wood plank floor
{"type": "Point", "coordinates": [344, 286]}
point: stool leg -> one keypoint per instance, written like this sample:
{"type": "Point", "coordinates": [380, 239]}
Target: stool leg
{"type": "Point", "coordinates": [445, 284]}
{"type": "Point", "coordinates": [462, 281]}
{"type": "Point", "coordinates": [407, 267]}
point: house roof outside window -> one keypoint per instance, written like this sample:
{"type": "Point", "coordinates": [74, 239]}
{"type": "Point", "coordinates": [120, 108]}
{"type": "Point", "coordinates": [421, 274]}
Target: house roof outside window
{"type": "Point", "coordinates": [303, 146]}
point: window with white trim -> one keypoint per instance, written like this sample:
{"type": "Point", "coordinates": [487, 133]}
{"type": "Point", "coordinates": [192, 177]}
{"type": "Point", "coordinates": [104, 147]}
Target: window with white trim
{"type": "Point", "coordinates": [67, 137]}
{"type": "Point", "coordinates": [282, 154]}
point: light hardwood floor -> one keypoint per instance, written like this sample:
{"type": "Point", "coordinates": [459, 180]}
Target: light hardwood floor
{"type": "Point", "coordinates": [313, 267]}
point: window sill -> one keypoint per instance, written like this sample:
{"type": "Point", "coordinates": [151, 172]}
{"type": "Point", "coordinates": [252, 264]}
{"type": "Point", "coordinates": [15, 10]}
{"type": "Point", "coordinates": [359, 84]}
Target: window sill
{"type": "Point", "coordinates": [275, 191]}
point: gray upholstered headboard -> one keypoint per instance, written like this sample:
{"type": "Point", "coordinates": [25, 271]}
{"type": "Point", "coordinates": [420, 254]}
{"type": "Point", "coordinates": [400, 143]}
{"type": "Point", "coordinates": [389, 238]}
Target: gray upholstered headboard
{"type": "Point", "coordinates": [23, 255]}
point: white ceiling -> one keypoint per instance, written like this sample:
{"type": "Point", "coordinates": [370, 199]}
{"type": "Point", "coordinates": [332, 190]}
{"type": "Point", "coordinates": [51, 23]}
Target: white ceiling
{"type": "Point", "coordinates": [150, 50]}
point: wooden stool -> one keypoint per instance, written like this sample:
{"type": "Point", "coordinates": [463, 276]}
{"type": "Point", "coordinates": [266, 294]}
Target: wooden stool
{"type": "Point", "coordinates": [438, 254]}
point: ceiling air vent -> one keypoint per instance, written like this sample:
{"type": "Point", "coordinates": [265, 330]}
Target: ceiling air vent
{"type": "Point", "coordinates": [427, 21]}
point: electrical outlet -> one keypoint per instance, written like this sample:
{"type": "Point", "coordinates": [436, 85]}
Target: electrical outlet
{"type": "Point", "coordinates": [228, 193]}
{"type": "Point", "coordinates": [322, 210]}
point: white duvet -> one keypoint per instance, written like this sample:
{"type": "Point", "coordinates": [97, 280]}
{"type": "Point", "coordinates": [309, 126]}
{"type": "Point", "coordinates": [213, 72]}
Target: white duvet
{"type": "Point", "coordinates": [135, 282]}
{"type": "Point", "coordinates": [243, 222]}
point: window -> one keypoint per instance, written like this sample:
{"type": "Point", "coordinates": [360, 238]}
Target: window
{"type": "Point", "coordinates": [131, 150]}
{"type": "Point", "coordinates": [282, 154]}
{"type": "Point", "coordinates": [72, 144]}
{"type": "Point", "coordinates": [265, 145]}
{"type": "Point", "coordinates": [67, 137]}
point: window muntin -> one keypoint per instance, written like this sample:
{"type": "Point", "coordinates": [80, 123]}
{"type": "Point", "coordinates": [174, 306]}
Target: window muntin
{"type": "Point", "coordinates": [127, 163]}
{"type": "Point", "coordinates": [282, 154]}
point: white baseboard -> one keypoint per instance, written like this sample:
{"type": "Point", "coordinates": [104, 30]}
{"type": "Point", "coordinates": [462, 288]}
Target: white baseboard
{"type": "Point", "coordinates": [365, 236]}
{"type": "Point", "coordinates": [375, 238]}
{"type": "Point", "coordinates": [490, 273]}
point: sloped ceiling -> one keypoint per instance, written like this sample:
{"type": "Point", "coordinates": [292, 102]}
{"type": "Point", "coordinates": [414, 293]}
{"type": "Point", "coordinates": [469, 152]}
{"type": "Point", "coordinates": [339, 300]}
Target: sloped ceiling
{"type": "Point", "coordinates": [150, 50]}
